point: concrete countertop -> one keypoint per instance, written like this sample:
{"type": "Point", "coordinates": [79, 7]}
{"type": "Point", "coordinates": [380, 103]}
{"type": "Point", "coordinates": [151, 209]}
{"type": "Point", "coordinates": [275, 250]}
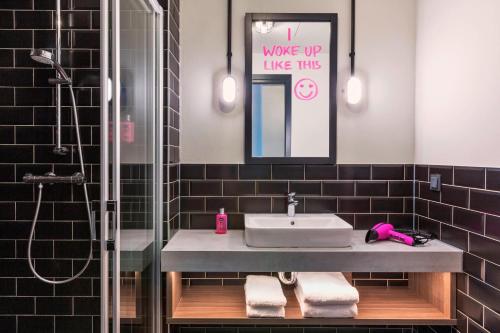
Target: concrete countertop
{"type": "Point", "coordinates": [205, 251]}
{"type": "Point", "coordinates": [136, 249]}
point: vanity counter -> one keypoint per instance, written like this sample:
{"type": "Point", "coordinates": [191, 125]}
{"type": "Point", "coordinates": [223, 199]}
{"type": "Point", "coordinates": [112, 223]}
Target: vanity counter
{"type": "Point", "coordinates": [136, 249]}
{"type": "Point", "coordinates": [205, 251]}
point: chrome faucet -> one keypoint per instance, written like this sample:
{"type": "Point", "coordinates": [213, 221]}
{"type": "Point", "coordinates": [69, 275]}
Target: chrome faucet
{"type": "Point", "coordinates": [291, 204]}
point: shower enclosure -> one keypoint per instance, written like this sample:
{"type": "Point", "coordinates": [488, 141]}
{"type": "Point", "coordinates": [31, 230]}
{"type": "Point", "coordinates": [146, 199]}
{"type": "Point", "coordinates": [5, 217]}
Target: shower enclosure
{"type": "Point", "coordinates": [131, 164]}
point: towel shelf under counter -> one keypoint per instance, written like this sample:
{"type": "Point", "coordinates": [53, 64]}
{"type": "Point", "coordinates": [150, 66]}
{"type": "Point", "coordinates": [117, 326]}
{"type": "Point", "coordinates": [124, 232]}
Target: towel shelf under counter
{"type": "Point", "coordinates": [429, 299]}
{"type": "Point", "coordinates": [205, 251]}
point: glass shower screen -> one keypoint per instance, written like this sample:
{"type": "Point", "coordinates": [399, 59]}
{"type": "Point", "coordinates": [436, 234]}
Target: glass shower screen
{"type": "Point", "coordinates": [131, 165]}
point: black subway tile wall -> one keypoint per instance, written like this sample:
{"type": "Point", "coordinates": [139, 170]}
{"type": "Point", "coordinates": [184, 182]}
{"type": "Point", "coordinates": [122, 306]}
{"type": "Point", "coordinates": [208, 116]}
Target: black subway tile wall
{"type": "Point", "coordinates": [466, 214]}
{"type": "Point", "coordinates": [27, 134]}
{"type": "Point", "coordinates": [27, 119]}
{"type": "Point", "coordinates": [171, 119]}
{"type": "Point", "coordinates": [171, 129]}
{"type": "Point", "coordinates": [254, 188]}
{"type": "Point", "coordinates": [361, 194]}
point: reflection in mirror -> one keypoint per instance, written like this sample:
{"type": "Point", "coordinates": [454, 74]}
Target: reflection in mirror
{"type": "Point", "coordinates": [301, 51]}
{"type": "Point", "coordinates": [271, 115]}
{"type": "Point", "coordinates": [293, 80]}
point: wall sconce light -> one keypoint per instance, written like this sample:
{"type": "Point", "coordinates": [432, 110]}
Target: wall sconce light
{"type": "Point", "coordinates": [354, 87]}
{"type": "Point", "coordinates": [227, 97]}
{"type": "Point", "coordinates": [354, 91]}
{"type": "Point", "coordinates": [228, 89]}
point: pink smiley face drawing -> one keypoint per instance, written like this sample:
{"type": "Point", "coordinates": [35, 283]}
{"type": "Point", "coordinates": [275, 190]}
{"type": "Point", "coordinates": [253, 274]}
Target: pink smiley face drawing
{"type": "Point", "coordinates": [306, 89]}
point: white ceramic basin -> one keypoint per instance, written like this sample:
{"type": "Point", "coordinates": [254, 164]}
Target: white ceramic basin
{"type": "Point", "coordinates": [303, 230]}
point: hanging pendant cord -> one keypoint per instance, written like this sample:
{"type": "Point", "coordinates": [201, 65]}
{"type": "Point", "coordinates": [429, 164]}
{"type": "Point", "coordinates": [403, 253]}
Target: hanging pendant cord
{"type": "Point", "coordinates": [229, 34]}
{"type": "Point", "coordinates": [352, 54]}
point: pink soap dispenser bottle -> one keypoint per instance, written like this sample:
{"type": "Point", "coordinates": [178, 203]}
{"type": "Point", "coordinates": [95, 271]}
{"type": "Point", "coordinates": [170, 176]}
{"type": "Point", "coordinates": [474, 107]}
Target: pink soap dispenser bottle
{"type": "Point", "coordinates": [128, 130]}
{"type": "Point", "coordinates": [221, 222]}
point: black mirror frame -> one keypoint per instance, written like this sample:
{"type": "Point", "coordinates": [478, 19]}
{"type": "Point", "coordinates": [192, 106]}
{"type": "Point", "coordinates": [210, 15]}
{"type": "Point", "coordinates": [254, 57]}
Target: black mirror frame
{"type": "Point", "coordinates": [249, 19]}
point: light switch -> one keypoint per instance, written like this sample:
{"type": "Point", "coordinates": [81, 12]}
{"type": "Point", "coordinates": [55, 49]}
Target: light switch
{"type": "Point", "coordinates": [435, 182]}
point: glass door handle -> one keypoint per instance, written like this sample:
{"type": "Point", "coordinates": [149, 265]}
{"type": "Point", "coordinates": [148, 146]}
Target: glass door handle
{"type": "Point", "coordinates": [110, 242]}
{"type": "Point", "coordinates": [111, 208]}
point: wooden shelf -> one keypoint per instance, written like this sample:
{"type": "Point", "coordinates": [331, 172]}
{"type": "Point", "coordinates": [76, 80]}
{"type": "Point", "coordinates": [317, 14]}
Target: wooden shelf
{"type": "Point", "coordinates": [378, 305]}
{"type": "Point", "coordinates": [130, 299]}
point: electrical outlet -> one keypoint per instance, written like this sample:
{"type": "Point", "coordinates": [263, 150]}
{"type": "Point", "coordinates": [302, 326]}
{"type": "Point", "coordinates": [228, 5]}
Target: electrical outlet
{"type": "Point", "coordinates": [435, 182]}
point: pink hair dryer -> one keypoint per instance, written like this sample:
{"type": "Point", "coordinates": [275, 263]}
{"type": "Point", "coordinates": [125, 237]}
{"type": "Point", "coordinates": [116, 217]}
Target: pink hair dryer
{"type": "Point", "coordinates": [384, 231]}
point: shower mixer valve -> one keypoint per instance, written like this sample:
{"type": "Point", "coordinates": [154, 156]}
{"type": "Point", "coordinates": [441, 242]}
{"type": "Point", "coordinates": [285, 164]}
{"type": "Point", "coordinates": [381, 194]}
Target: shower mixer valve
{"type": "Point", "coordinates": [52, 178]}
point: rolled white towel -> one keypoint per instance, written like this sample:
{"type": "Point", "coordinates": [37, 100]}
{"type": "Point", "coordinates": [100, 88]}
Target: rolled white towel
{"type": "Point", "coordinates": [325, 311]}
{"type": "Point", "coordinates": [261, 290]}
{"type": "Point", "coordinates": [265, 311]}
{"type": "Point", "coordinates": [326, 289]}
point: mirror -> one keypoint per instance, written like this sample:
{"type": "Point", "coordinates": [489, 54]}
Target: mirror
{"type": "Point", "coordinates": [290, 105]}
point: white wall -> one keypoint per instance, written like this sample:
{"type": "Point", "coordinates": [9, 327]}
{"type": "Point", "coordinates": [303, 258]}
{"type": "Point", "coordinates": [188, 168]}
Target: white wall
{"type": "Point", "coordinates": [458, 82]}
{"type": "Point", "coordinates": [383, 133]}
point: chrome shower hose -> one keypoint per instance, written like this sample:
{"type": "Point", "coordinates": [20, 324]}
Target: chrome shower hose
{"type": "Point", "coordinates": [89, 214]}
{"type": "Point", "coordinates": [288, 281]}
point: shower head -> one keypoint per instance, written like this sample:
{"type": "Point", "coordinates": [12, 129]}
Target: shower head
{"type": "Point", "coordinates": [48, 58]}
{"type": "Point", "coordinates": [43, 56]}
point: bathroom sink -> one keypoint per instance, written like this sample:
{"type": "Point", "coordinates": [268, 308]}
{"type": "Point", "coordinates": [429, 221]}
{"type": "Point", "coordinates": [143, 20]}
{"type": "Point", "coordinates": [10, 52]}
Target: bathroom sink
{"type": "Point", "coordinates": [303, 230]}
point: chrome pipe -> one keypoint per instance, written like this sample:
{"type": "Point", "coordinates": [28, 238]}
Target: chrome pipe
{"type": "Point", "coordinates": [58, 148]}
{"type": "Point", "coordinates": [51, 178]}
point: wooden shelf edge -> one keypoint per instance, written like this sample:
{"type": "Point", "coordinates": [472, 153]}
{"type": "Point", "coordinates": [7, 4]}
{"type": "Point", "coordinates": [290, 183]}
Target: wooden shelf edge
{"type": "Point", "coordinates": [402, 306]}
{"type": "Point", "coordinates": [308, 321]}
